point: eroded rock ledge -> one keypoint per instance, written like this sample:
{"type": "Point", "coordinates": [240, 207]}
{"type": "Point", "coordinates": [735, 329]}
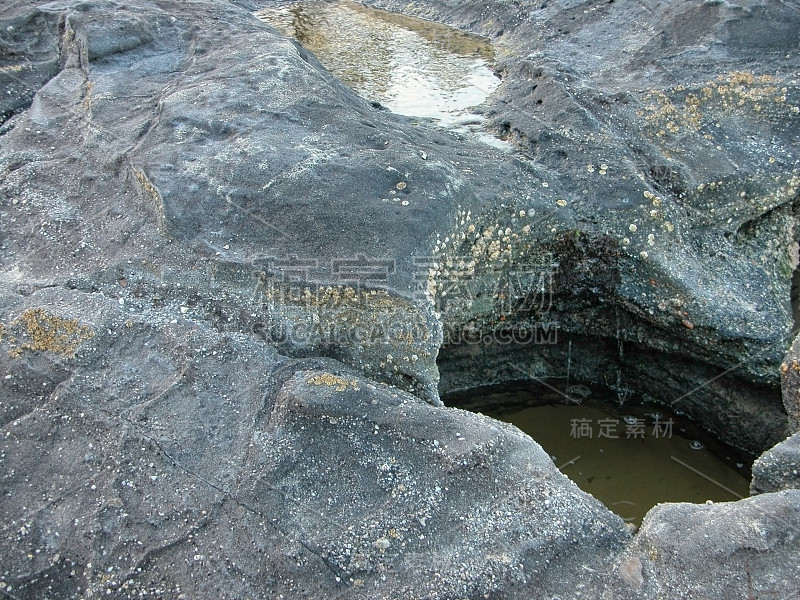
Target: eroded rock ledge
{"type": "Point", "coordinates": [666, 137]}
{"type": "Point", "coordinates": [208, 392]}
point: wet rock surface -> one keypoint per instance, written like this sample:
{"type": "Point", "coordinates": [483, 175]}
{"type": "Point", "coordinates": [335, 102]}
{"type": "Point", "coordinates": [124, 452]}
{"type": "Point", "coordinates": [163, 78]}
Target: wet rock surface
{"type": "Point", "coordinates": [222, 296]}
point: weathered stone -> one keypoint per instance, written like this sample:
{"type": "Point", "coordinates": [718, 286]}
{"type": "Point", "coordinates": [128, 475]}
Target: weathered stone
{"type": "Point", "coordinates": [719, 551]}
{"type": "Point", "coordinates": [393, 515]}
{"type": "Point", "coordinates": [672, 178]}
{"type": "Point", "coordinates": [165, 455]}
{"type": "Point", "coordinates": [218, 354]}
{"type": "Point", "coordinates": [778, 468]}
{"type": "Point", "coordinates": [215, 174]}
{"type": "Point", "coordinates": [790, 385]}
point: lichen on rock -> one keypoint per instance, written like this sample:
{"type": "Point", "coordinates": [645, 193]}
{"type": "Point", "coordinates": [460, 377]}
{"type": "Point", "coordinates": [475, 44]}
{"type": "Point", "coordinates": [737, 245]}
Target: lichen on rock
{"type": "Point", "coordinates": [38, 330]}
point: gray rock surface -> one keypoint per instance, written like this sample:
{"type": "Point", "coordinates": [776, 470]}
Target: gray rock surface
{"type": "Point", "coordinates": [745, 549]}
{"type": "Point", "coordinates": [778, 468]}
{"type": "Point", "coordinates": [218, 371]}
{"type": "Point", "coordinates": [669, 130]}
{"type": "Point", "coordinates": [790, 385]}
{"type": "Point", "coordinates": [169, 458]}
{"type": "Point", "coordinates": [258, 215]}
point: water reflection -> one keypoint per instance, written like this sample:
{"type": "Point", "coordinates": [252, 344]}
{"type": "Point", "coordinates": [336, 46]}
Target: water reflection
{"type": "Point", "coordinates": [412, 66]}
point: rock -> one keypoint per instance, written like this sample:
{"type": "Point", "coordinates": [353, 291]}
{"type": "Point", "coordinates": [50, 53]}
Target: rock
{"type": "Point", "coordinates": [778, 468]}
{"type": "Point", "coordinates": [219, 333]}
{"type": "Point", "coordinates": [661, 244]}
{"type": "Point", "coordinates": [790, 385]}
{"type": "Point", "coordinates": [168, 457]}
{"type": "Point", "coordinates": [261, 235]}
{"type": "Point", "coordinates": [419, 501]}
{"type": "Point", "coordinates": [718, 551]}
{"type": "Point", "coordinates": [27, 41]}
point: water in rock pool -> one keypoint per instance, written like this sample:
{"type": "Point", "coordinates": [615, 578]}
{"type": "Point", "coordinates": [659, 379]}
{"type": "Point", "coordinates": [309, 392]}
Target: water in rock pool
{"type": "Point", "coordinates": [631, 458]}
{"type": "Point", "coordinates": [412, 66]}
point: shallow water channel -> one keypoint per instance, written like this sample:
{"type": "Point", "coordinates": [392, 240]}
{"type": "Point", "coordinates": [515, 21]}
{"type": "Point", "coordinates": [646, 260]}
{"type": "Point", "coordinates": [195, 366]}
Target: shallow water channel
{"type": "Point", "coordinates": [411, 66]}
{"type": "Point", "coordinates": [631, 458]}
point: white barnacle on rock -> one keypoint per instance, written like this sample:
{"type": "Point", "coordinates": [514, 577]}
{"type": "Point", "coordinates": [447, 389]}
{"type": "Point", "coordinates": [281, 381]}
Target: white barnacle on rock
{"type": "Point", "coordinates": [382, 543]}
{"type": "Point", "coordinates": [494, 250]}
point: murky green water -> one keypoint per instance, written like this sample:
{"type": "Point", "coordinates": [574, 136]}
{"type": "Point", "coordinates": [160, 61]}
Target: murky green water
{"type": "Point", "coordinates": [629, 460]}
{"type": "Point", "coordinates": [412, 66]}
